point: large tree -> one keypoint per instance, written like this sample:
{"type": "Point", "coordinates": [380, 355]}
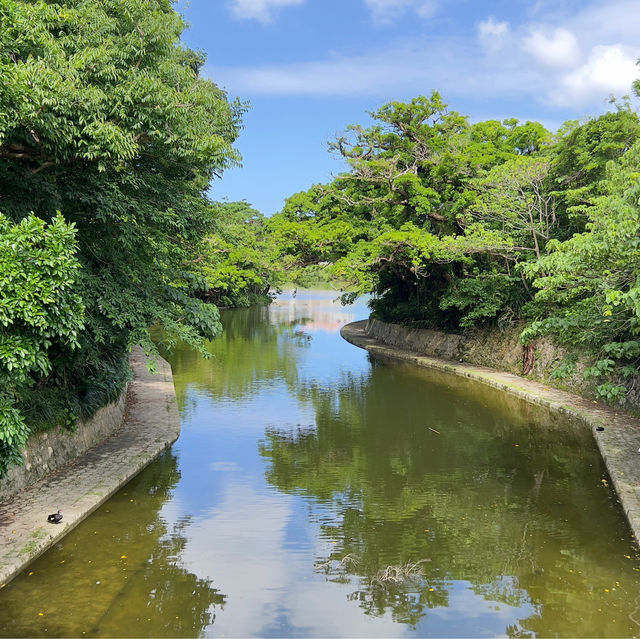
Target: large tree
{"type": "Point", "coordinates": [438, 217]}
{"type": "Point", "coordinates": [589, 285]}
{"type": "Point", "coordinates": [397, 223]}
{"type": "Point", "coordinates": [105, 118]}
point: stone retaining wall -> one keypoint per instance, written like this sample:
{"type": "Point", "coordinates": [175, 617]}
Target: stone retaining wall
{"type": "Point", "coordinates": [46, 452]}
{"type": "Point", "coordinates": [435, 343]}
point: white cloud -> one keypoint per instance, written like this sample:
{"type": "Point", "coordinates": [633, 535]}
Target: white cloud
{"type": "Point", "coordinates": [372, 73]}
{"type": "Point", "coordinates": [261, 10]}
{"type": "Point", "coordinates": [264, 576]}
{"type": "Point", "coordinates": [561, 64]}
{"type": "Point", "coordinates": [608, 69]}
{"type": "Point", "coordinates": [607, 22]}
{"type": "Point", "coordinates": [558, 49]}
{"type": "Point", "coordinates": [386, 11]}
{"type": "Point", "coordinates": [413, 66]}
{"type": "Point", "coordinates": [427, 9]}
{"type": "Point", "coordinates": [492, 33]}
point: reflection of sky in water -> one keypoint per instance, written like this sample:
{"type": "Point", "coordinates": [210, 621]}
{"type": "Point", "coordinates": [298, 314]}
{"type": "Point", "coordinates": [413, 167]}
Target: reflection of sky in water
{"type": "Point", "coordinates": [299, 451]}
{"type": "Point", "coordinates": [258, 545]}
{"type": "Point", "coordinates": [319, 317]}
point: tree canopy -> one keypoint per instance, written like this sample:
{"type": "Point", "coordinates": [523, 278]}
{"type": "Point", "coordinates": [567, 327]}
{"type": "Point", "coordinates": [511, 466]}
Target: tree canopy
{"type": "Point", "coordinates": [109, 139]}
{"type": "Point", "coordinates": [239, 260]}
{"type": "Point", "coordinates": [452, 225]}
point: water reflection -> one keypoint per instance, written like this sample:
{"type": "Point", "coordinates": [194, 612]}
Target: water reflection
{"type": "Point", "coordinates": [495, 494]}
{"type": "Point", "coordinates": [317, 492]}
{"type": "Point", "coordinates": [118, 576]}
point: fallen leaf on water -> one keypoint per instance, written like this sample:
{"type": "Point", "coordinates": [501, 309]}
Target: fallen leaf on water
{"type": "Point", "coordinates": [30, 574]}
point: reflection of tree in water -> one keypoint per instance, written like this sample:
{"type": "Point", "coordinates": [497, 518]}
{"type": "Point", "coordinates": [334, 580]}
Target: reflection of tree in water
{"type": "Point", "coordinates": [251, 351]}
{"type": "Point", "coordinates": [494, 493]}
{"type": "Point", "coordinates": [118, 574]}
{"type": "Point", "coordinates": [407, 601]}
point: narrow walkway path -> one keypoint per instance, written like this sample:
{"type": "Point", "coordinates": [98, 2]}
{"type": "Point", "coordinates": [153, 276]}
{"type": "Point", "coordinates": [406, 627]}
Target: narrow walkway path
{"type": "Point", "coordinates": [619, 442]}
{"type": "Point", "coordinates": [150, 426]}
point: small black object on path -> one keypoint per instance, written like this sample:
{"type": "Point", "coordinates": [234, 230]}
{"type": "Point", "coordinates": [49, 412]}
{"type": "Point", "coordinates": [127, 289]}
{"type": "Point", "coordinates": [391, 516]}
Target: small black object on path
{"type": "Point", "coordinates": [55, 518]}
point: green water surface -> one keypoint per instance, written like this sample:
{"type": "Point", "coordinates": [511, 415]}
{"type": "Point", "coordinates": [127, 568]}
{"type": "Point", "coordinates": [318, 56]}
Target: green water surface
{"type": "Point", "coordinates": [315, 491]}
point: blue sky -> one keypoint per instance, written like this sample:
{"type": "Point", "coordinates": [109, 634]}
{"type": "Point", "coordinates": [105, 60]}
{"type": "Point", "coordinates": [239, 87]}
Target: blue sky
{"type": "Point", "coordinates": [311, 67]}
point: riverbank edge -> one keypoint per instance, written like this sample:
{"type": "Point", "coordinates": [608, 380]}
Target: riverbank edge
{"type": "Point", "coordinates": [619, 442]}
{"type": "Point", "coordinates": [47, 451]}
{"type": "Point", "coordinates": [150, 425]}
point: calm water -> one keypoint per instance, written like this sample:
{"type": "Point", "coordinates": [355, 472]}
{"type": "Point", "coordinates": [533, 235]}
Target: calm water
{"type": "Point", "coordinates": [317, 492]}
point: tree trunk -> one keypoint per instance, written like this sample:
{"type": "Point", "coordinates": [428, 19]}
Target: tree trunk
{"type": "Point", "coordinates": [528, 357]}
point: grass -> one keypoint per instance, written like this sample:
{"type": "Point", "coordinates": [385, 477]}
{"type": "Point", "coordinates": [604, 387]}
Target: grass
{"type": "Point", "coordinates": [32, 545]}
{"type": "Point", "coordinates": [398, 574]}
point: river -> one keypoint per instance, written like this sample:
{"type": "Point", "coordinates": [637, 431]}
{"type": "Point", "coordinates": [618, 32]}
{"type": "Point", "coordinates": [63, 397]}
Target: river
{"type": "Point", "coordinates": [315, 491]}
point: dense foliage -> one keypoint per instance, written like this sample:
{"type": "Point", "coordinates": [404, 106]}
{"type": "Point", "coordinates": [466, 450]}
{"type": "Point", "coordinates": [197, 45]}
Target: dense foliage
{"type": "Point", "coordinates": [40, 312]}
{"type": "Point", "coordinates": [239, 260]}
{"type": "Point", "coordinates": [109, 139]}
{"type": "Point", "coordinates": [590, 284]}
{"type": "Point", "coordinates": [451, 225]}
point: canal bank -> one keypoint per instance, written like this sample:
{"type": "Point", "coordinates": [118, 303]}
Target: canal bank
{"type": "Point", "coordinates": [150, 425]}
{"type": "Point", "coordinates": [618, 442]}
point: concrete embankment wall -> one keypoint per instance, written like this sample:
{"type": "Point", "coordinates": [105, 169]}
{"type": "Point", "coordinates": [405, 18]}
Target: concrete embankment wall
{"type": "Point", "coordinates": [46, 452]}
{"type": "Point", "coordinates": [493, 347]}
{"type": "Point", "coordinates": [92, 464]}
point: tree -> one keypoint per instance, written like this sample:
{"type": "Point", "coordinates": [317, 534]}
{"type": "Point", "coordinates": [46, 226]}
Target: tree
{"type": "Point", "coordinates": [580, 158]}
{"type": "Point", "coordinates": [589, 285]}
{"type": "Point", "coordinates": [104, 117]}
{"type": "Point", "coordinates": [405, 208]}
{"type": "Point", "coordinates": [513, 199]}
{"type": "Point", "coordinates": [239, 259]}
{"type": "Point", "coordinates": [39, 310]}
